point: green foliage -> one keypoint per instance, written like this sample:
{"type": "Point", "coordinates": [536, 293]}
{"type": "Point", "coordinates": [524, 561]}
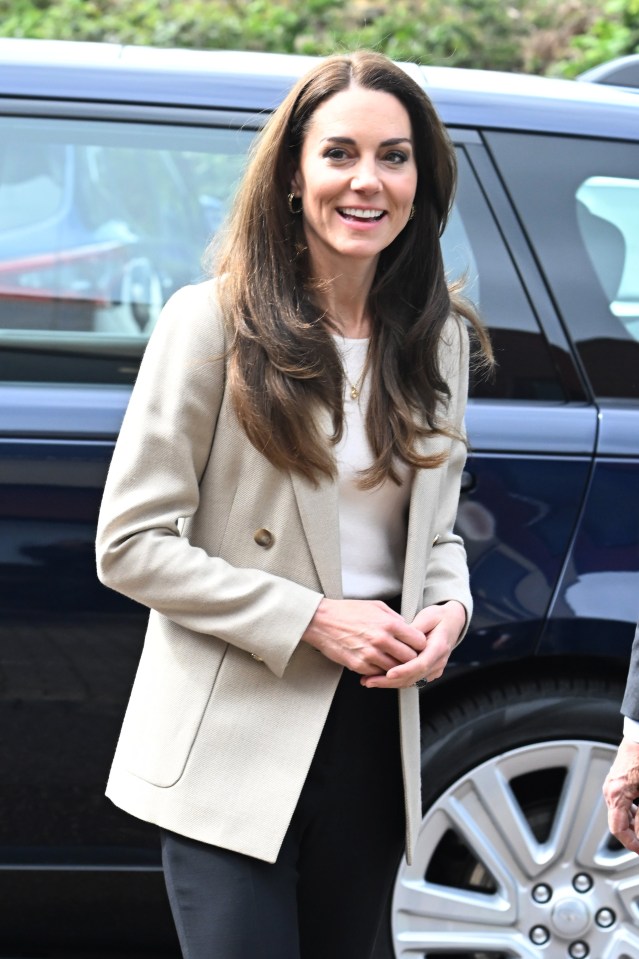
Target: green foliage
{"type": "Point", "coordinates": [543, 36]}
{"type": "Point", "coordinates": [478, 34]}
{"type": "Point", "coordinates": [614, 34]}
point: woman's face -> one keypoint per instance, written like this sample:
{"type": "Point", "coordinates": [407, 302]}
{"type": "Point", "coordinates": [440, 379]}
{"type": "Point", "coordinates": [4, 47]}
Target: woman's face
{"type": "Point", "coordinates": [357, 176]}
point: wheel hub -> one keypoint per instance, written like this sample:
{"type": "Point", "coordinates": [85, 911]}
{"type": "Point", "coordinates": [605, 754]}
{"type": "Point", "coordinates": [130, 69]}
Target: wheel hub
{"type": "Point", "coordinates": [570, 917]}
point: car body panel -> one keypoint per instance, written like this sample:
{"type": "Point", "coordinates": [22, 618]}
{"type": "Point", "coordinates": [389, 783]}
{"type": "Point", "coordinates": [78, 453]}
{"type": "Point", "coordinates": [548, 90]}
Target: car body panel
{"type": "Point", "coordinates": [258, 81]}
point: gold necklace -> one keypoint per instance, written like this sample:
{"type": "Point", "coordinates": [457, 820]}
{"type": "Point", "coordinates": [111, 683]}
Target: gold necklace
{"type": "Point", "coordinates": [356, 387]}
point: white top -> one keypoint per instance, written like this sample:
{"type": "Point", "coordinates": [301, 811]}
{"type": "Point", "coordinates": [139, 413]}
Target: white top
{"type": "Point", "coordinates": [372, 523]}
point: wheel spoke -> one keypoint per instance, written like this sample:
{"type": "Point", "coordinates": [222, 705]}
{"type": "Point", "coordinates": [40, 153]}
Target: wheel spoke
{"type": "Point", "coordinates": [620, 861]}
{"type": "Point", "coordinates": [577, 829]}
{"type": "Point", "coordinates": [628, 891]}
{"type": "Point", "coordinates": [428, 902]}
{"type": "Point", "coordinates": [466, 813]}
{"type": "Point", "coordinates": [623, 945]}
{"type": "Point", "coordinates": [415, 943]}
{"type": "Point", "coordinates": [507, 819]}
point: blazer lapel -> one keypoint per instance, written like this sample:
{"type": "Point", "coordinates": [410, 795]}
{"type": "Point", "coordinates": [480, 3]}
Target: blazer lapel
{"type": "Point", "coordinates": [318, 507]}
{"type": "Point", "coordinates": [319, 511]}
{"type": "Point", "coordinates": [421, 517]}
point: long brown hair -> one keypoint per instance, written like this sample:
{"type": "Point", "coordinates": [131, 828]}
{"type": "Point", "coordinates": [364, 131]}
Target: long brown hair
{"type": "Point", "coordinates": [283, 362]}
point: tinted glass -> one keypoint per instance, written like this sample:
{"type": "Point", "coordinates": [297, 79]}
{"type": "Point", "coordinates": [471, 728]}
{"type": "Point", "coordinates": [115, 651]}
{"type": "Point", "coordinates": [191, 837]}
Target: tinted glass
{"type": "Point", "coordinates": [579, 200]}
{"type": "Point", "coordinates": [102, 221]}
{"type": "Point", "coordinates": [99, 223]}
{"type": "Point", "coordinates": [475, 252]}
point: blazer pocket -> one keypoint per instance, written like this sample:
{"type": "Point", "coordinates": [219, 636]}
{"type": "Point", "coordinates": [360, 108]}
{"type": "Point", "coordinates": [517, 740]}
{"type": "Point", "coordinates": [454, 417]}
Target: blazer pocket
{"type": "Point", "coordinates": [172, 687]}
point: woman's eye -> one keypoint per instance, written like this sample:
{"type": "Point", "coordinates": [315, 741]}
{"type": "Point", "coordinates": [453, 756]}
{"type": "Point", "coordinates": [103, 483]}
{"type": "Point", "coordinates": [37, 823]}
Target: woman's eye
{"type": "Point", "coordinates": [336, 153]}
{"type": "Point", "coordinates": [396, 156]}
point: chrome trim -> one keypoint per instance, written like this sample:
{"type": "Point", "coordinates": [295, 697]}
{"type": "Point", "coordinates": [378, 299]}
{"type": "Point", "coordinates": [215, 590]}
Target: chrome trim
{"type": "Point", "coordinates": [506, 426]}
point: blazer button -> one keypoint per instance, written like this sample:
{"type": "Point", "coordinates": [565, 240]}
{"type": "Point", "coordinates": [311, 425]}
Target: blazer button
{"type": "Point", "coordinates": [264, 537]}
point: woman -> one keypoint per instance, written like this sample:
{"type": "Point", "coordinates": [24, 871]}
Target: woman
{"type": "Point", "coordinates": [282, 496]}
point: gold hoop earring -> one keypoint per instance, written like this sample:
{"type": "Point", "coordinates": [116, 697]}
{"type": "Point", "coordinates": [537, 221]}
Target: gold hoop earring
{"type": "Point", "coordinates": [412, 212]}
{"type": "Point", "coordinates": [291, 203]}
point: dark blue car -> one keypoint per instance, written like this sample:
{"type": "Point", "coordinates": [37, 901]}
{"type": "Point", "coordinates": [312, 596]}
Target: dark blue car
{"type": "Point", "coordinates": [116, 166]}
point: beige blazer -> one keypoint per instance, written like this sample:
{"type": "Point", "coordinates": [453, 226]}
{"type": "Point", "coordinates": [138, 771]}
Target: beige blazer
{"type": "Point", "coordinates": [233, 556]}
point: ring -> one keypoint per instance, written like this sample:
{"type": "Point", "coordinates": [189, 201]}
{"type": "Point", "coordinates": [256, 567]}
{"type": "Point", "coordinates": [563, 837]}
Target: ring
{"type": "Point", "coordinates": [421, 683]}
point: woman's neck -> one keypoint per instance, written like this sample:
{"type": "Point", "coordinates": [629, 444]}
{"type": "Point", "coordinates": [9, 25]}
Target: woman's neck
{"type": "Point", "coordinates": [352, 322]}
{"type": "Point", "coordinates": [345, 299]}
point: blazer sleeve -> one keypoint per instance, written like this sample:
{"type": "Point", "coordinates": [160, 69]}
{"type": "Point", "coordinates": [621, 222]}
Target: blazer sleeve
{"type": "Point", "coordinates": [153, 483]}
{"type": "Point", "coordinates": [447, 568]}
{"type": "Point", "coordinates": [630, 703]}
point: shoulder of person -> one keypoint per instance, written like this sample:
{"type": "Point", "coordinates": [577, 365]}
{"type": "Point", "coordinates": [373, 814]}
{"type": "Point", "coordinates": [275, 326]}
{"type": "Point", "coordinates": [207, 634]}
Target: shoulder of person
{"type": "Point", "coordinates": [194, 311]}
{"type": "Point", "coordinates": [454, 335]}
{"type": "Point", "coordinates": [199, 301]}
{"type": "Point", "coordinates": [453, 345]}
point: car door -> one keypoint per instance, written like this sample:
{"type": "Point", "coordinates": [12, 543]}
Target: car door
{"type": "Point", "coordinates": [532, 428]}
{"type": "Point", "coordinates": [589, 252]}
{"type": "Point", "coordinates": [100, 220]}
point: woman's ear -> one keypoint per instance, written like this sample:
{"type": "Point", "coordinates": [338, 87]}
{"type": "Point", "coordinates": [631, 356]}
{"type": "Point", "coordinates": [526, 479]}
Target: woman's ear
{"type": "Point", "coordinates": [296, 185]}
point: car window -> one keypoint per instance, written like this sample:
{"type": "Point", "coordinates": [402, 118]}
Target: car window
{"type": "Point", "coordinates": [32, 185]}
{"type": "Point", "coordinates": [608, 218]}
{"type": "Point", "coordinates": [99, 223]}
{"type": "Point", "coordinates": [475, 254]}
{"type": "Point", "coordinates": [579, 200]}
{"type": "Point", "coordinates": [102, 221]}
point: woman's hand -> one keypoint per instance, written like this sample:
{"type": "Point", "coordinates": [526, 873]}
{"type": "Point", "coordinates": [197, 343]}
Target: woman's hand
{"type": "Point", "coordinates": [440, 627]}
{"type": "Point", "coordinates": [366, 636]}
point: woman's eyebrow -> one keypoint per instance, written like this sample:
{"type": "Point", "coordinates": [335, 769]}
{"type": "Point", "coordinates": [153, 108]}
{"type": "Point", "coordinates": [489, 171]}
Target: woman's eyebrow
{"type": "Point", "coordinates": [393, 141]}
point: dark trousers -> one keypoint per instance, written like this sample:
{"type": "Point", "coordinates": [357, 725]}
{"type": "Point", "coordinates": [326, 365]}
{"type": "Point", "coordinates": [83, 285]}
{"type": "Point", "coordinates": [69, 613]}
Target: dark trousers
{"type": "Point", "coordinates": [324, 898]}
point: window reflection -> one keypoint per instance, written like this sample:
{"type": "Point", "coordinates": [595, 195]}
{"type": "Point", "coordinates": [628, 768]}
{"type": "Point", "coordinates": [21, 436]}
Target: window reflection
{"type": "Point", "coordinates": [101, 222]}
{"type": "Point", "coordinates": [608, 217]}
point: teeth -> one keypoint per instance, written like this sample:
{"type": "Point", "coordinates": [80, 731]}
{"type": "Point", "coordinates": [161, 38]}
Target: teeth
{"type": "Point", "coordinates": [362, 214]}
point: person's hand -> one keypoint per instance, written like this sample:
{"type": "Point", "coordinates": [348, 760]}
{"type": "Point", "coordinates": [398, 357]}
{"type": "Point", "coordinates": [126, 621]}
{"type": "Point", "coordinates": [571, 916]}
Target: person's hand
{"type": "Point", "coordinates": [441, 627]}
{"type": "Point", "coordinates": [620, 789]}
{"type": "Point", "coordinates": [366, 636]}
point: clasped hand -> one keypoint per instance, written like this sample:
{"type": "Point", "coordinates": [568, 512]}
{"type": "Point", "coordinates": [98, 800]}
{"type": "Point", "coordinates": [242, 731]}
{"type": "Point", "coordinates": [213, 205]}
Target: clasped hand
{"type": "Point", "coordinates": [370, 638]}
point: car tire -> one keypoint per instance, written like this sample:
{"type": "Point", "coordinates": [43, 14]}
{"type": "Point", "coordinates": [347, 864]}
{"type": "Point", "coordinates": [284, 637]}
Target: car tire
{"type": "Point", "coordinates": [514, 854]}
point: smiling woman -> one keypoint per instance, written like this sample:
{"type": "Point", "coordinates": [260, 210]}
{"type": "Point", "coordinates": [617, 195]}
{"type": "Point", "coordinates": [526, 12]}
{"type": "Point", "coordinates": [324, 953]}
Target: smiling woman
{"type": "Point", "coordinates": [356, 180]}
{"type": "Point", "coordinates": [397, 292]}
{"type": "Point", "coordinates": [260, 507]}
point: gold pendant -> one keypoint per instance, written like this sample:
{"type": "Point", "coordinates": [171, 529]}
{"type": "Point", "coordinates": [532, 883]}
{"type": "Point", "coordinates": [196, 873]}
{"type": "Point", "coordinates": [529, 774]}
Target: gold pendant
{"type": "Point", "coordinates": [354, 393]}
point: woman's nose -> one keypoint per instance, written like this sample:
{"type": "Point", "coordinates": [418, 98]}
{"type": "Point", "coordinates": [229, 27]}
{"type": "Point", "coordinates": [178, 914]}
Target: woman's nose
{"type": "Point", "coordinates": [365, 178]}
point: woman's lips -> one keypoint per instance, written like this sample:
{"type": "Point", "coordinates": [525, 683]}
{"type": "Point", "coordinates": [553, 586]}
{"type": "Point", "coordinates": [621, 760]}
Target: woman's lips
{"type": "Point", "coordinates": [355, 215]}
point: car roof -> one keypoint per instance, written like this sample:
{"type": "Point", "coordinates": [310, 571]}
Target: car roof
{"type": "Point", "coordinates": [105, 72]}
{"type": "Point", "coordinates": [620, 72]}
